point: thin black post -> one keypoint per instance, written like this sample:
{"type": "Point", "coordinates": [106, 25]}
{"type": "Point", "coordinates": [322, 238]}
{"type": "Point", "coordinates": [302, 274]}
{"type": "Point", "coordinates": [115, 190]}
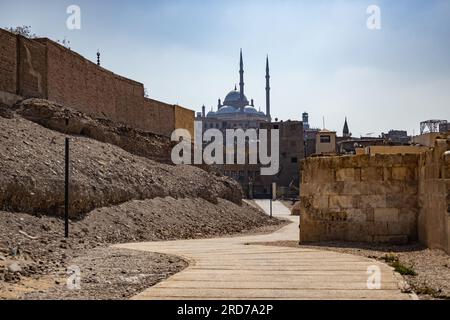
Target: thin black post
{"type": "Point", "coordinates": [66, 191]}
{"type": "Point", "coordinates": [271, 199]}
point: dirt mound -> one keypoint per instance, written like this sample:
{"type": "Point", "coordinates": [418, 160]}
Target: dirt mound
{"type": "Point", "coordinates": [32, 174]}
{"type": "Point", "coordinates": [70, 121]}
{"type": "Point", "coordinates": [36, 244]}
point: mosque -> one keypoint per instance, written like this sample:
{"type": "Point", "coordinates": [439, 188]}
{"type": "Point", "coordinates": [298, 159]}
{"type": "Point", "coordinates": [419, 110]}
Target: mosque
{"type": "Point", "coordinates": [237, 111]}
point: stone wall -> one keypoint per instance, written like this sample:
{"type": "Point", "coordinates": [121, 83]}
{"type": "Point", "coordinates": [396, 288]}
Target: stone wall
{"type": "Point", "coordinates": [378, 198]}
{"type": "Point", "coordinates": [434, 196]}
{"type": "Point", "coordinates": [41, 68]}
{"type": "Point", "coordinates": [359, 198]}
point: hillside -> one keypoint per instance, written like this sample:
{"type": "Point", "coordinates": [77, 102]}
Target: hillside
{"type": "Point", "coordinates": [116, 195]}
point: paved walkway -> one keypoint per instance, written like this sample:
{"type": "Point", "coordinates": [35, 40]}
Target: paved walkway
{"type": "Point", "coordinates": [230, 268]}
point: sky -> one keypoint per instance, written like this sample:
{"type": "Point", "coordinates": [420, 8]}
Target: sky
{"type": "Point", "coordinates": [323, 58]}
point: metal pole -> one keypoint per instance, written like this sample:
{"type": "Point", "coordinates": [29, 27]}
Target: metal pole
{"type": "Point", "coordinates": [66, 191]}
{"type": "Point", "coordinates": [271, 199]}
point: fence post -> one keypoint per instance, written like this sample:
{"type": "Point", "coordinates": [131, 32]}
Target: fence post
{"type": "Point", "coordinates": [66, 190]}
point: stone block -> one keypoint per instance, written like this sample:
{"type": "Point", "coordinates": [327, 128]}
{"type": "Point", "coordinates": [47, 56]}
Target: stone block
{"type": "Point", "coordinates": [340, 202]}
{"type": "Point", "coordinates": [345, 174]}
{"type": "Point", "coordinates": [320, 201]}
{"type": "Point", "coordinates": [373, 201]}
{"type": "Point", "coordinates": [370, 214]}
{"type": "Point", "coordinates": [353, 188]}
{"type": "Point", "coordinates": [403, 173]}
{"type": "Point", "coordinates": [357, 232]}
{"type": "Point", "coordinates": [386, 214]}
{"type": "Point", "coordinates": [387, 173]}
{"type": "Point", "coordinates": [372, 174]}
{"type": "Point", "coordinates": [356, 216]}
{"type": "Point", "coordinates": [401, 200]}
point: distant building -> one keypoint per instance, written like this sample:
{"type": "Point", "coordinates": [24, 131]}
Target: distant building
{"type": "Point", "coordinates": [237, 112]}
{"type": "Point", "coordinates": [291, 153]}
{"type": "Point", "coordinates": [309, 136]}
{"type": "Point", "coordinates": [396, 137]}
{"type": "Point", "coordinates": [325, 142]}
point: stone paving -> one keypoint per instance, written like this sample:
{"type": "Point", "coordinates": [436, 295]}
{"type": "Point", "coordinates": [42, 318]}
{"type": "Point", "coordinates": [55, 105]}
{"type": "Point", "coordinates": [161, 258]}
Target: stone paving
{"type": "Point", "coordinates": [232, 268]}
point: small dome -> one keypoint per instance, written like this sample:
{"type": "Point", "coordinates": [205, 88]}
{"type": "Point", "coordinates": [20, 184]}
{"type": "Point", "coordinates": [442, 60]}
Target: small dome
{"type": "Point", "coordinates": [226, 109]}
{"type": "Point", "coordinates": [211, 114]}
{"type": "Point", "coordinates": [250, 109]}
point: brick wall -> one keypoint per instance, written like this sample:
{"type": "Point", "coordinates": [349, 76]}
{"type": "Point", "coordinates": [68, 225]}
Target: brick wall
{"type": "Point", "coordinates": [8, 62]}
{"type": "Point", "coordinates": [32, 69]}
{"type": "Point", "coordinates": [434, 196]}
{"type": "Point", "coordinates": [42, 68]}
{"type": "Point", "coordinates": [359, 198]}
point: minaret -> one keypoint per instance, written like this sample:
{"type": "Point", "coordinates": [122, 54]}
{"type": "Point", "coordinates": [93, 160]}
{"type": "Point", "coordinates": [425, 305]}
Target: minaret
{"type": "Point", "coordinates": [346, 131]}
{"type": "Point", "coordinates": [269, 118]}
{"type": "Point", "coordinates": [241, 82]}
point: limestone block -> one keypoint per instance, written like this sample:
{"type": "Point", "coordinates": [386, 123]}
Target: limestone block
{"type": "Point", "coordinates": [338, 202]}
{"type": "Point", "coordinates": [373, 201]}
{"type": "Point", "coordinates": [345, 174]}
{"type": "Point", "coordinates": [387, 173]}
{"type": "Point", "coordinates": [402, 200]}
{"type": "Point", "coordinates": [370, 214]}
{"type": "Point", "coordinates": [358, 232]}
{"type": "Point", "coordinates": [356, 216]}
{"type": "Point", "coordinates": [386, 214]}
{"type": "Point", "coordinates": [353, 188]}
{"type": "Point", "coordinates": [397, 228]}
{"type": "Point", "coordinates": [320, 201]}
{"type": "Point", "coordinates": [372, 174]}
{"type": "Point", "coordinates": [378, 228]}
{"type": "Point", "coordinates": [401, 173]}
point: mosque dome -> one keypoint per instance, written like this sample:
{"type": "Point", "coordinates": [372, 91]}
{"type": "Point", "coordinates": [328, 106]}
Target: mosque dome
{"type": "Point", "coordinates": [234, 97]}
{"type": "Point", "coordinates": [211, 114]}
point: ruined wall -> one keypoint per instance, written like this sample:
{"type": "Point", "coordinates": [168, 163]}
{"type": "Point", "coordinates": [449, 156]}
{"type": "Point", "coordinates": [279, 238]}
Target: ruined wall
{"type": "Point", "coordinates": [359, 198]}
{"type": "Point", "coordinates": [434, 196]}
{"type": "Point", "coordinates": [41, 68]}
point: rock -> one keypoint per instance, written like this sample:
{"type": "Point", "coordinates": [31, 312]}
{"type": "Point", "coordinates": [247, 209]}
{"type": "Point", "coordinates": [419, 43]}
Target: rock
{"type": "Point", "coordinates": [14, 267]}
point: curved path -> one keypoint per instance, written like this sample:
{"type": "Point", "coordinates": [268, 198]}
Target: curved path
{"type": "Point", "coordinates": [230, 268]}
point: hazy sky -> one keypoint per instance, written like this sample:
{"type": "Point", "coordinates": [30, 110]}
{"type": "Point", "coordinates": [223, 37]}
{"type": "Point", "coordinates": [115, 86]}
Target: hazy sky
{"type": "Point", "coordinates": [324, 59]}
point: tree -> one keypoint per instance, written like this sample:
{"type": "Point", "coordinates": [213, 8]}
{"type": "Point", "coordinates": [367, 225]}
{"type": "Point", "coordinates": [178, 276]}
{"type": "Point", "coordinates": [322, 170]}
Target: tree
{"type": "Point", "coordinates": [23, 31]}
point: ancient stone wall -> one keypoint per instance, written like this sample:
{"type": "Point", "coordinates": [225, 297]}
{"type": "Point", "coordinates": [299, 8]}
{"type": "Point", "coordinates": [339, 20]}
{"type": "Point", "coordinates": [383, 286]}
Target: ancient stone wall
{"type": "Point", "coordinates": [378, 198]}
{"type": "Point", "coordinates": [434, 196]}
{"type": "Point", "coordinates": [41, 68]}
{"type": "Point", "coordinates": [359, 198]}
